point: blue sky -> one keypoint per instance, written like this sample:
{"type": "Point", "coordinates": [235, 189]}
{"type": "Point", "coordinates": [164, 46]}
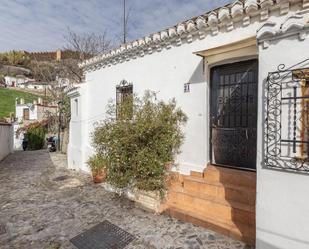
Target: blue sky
{"type": "Point", "coordinates": [39, 25]}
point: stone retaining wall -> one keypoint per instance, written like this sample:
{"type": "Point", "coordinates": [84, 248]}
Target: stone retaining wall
{"type": "Point", "coordinates": [147, 200]}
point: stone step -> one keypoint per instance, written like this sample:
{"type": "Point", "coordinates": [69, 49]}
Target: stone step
{"type": "Point", "coordinates": [201, 187]}
{"type": "Point", "coordinates": [197, 174]}
{"type": "Point", "coordinates": [232, 177]}
{"type": "Point", "coordinates": [213, 198]}
{"type": "Point", "coordinates": [238, 231]}
{"type": "Point", "coordinates": [222, 199]}
{"type": "Point", "coordinates": [214, 208]}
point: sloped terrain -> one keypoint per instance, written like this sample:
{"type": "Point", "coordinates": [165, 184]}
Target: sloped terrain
{"type": "Point", "coordinates": [8, 97]}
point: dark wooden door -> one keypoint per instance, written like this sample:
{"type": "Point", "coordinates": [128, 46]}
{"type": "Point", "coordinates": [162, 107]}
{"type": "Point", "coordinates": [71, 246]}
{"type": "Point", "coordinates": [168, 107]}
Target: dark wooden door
{"type": "Point", "coordinates": [26, 115]}
{"type": "Point", "coordinates": [233, 114]}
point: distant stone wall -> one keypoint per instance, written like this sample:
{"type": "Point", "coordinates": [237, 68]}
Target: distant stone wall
{"type": "Point", "coordinates": [43, 112]}
{"type": "Point", "coordinates": [6, 140]}
{"type": "Point", "coordinates": [52, 56]}
{"type": "Point", "coordinates": [42, 56]}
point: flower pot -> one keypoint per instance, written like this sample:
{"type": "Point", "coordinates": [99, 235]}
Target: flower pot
{"type": "Point", "coordinates": [99, 177]}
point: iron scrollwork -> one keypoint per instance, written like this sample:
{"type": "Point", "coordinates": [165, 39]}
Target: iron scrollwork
{"type": "Point", "coordinates": [287, 118]}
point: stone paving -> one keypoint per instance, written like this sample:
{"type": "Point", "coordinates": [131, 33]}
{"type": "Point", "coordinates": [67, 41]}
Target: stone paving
{"type": "Point", "coordinates": [43, 205]}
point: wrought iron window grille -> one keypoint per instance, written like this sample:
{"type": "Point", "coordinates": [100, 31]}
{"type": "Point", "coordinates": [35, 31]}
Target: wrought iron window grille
{"type": "Point", "coordinates": [124, 92]}
{"type": "Point", "coordinates": [287, 118]}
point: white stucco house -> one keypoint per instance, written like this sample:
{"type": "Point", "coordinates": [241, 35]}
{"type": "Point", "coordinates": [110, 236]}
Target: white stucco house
{"type": "Point", "coordinates": [15, 81]}
{"type": "Point", "coordinates": [27, 113]}
{"type": "Point", "coordinates": [240, 73]}
{"type": "Point", "coordinates": [34, 85]}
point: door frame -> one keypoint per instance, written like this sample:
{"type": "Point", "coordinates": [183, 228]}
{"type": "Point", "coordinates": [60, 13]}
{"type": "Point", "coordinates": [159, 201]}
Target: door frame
{"type": "Point", "coordinates": [209, 94]}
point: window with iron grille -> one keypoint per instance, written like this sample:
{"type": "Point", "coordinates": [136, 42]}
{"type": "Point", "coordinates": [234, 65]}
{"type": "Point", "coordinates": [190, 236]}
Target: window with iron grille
{"type": "Point", "coordinates": [287, 120]}
{"type": "Point", "coordinates": [124, 100]}
{"type": "Point", "coordinates": [76, 107]}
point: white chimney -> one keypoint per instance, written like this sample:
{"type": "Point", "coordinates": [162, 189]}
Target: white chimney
{"type": "Point", "coordinates": [22, 101]}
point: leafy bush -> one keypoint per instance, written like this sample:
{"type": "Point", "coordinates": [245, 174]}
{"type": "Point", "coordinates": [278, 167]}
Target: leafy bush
{"type": "Point", "coordinates": [138, 144]}
{"type": "Point", "coordinates": [35, 134]}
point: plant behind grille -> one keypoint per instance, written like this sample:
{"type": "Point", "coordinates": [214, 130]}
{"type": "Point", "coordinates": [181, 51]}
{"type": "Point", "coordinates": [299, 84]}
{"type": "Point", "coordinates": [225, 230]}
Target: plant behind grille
{"type": "Point", "coordinates": [286, 127]}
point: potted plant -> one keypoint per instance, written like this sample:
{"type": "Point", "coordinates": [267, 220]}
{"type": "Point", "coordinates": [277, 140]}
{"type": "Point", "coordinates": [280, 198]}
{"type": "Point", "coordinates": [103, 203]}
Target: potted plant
{"type": "Point", "coordinates": [98, 169]}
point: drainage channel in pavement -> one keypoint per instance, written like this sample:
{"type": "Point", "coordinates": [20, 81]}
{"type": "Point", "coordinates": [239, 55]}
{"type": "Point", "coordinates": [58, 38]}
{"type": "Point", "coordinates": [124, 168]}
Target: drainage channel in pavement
{"type": "Point", "coordinates": [61, 178]}
{"type": "Point", "coordinates": [2, 229]}
{"type": "Point", "coordinates": [104, 235]}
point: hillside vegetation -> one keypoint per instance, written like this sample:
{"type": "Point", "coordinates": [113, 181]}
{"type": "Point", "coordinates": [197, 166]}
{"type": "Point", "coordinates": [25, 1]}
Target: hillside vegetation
{"type": "Point", "coordinates": [7, 100]}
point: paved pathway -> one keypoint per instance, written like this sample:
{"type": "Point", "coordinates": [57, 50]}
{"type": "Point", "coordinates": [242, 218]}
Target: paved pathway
{"type": "Point", "coordinates": [39, 212]}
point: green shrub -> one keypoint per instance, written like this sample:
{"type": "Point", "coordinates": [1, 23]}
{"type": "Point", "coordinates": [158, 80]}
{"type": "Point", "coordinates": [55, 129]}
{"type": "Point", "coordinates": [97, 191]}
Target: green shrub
{"type": "Point", "coordinates": [138, 144]}
{"type": "Point", "coordinates": [36, 137]}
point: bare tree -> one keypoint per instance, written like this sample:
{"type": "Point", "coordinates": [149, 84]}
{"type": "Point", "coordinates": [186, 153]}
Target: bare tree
{"type": "Point", "coordinates": [82, 46]}
{"type": "Point", "coordinates": [86, 44]}
{"type": "Point", "coordinates": [78, 47]}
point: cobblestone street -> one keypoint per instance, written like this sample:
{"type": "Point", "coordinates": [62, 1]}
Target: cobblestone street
{"type": "Point", "coordinates": [43, 205]}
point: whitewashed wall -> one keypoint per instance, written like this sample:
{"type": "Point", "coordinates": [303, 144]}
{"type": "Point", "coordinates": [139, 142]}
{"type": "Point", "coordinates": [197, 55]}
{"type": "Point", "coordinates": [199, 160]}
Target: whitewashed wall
{"type": "Point", "coordinates": [282, 197]}
{"type": "Point", "coordinates": [33, 112]}
{"type": "Point", "coordinates": [18, 138]}
{"type": "Point", "coordinates": [76, 155]}
{"type": "Point", "coordinates": [6, 140]}
{"type": "Point", "coordinates": [165, 72]}
{"type": "Point", "coordinates": [10, 80]}
{"type": "Point", "coordinates": [35, 86]}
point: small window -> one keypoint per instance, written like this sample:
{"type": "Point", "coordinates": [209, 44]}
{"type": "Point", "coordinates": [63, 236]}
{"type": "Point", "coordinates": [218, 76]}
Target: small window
{"type": "Point", "coordinates": [26, 114]}
{"type": "Point", "coordinates": [76, 107]}
{"type": "Point", "coordinates": [124, 100]}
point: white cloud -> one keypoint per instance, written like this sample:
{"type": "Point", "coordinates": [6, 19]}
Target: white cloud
{"type": "Point", "coordinates": [39, 25]}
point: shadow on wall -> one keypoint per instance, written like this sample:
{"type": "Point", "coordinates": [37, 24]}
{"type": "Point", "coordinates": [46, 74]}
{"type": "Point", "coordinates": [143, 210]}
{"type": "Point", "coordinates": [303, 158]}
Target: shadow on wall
{"type": "Point", "coordinates": [280, 239]}
{"type": "Point", "coordinates": [198, 74]}
{"type": "Point", "coordinates": [240, 192]}
{"type": "Point", "coordinates": [265, 245]}
{"type": "Point", "coordinates": [261, 244]}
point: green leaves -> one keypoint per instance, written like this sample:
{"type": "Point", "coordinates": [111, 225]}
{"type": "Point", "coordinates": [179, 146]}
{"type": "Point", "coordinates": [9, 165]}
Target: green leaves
{"type": "Point", "coordinates": [36, 137]}
{"type": "Point", "coordinates": [136, 150]}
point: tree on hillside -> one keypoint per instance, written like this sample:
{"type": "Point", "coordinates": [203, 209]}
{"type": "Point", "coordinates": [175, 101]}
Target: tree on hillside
{"type": "Point", "coordinates": [44, 71]}
{"type": "Point", "coordinates": [86, 44]}
{"type": "Point", "coordinates": [79, 47]}
{"type": "Point", "coordinates": [2, 78]}
{"type": "Point", "coordinates": [14, 58]}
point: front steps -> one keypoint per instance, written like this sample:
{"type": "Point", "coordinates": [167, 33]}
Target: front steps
{"type": "Point", "coordinates": [220, 199]}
